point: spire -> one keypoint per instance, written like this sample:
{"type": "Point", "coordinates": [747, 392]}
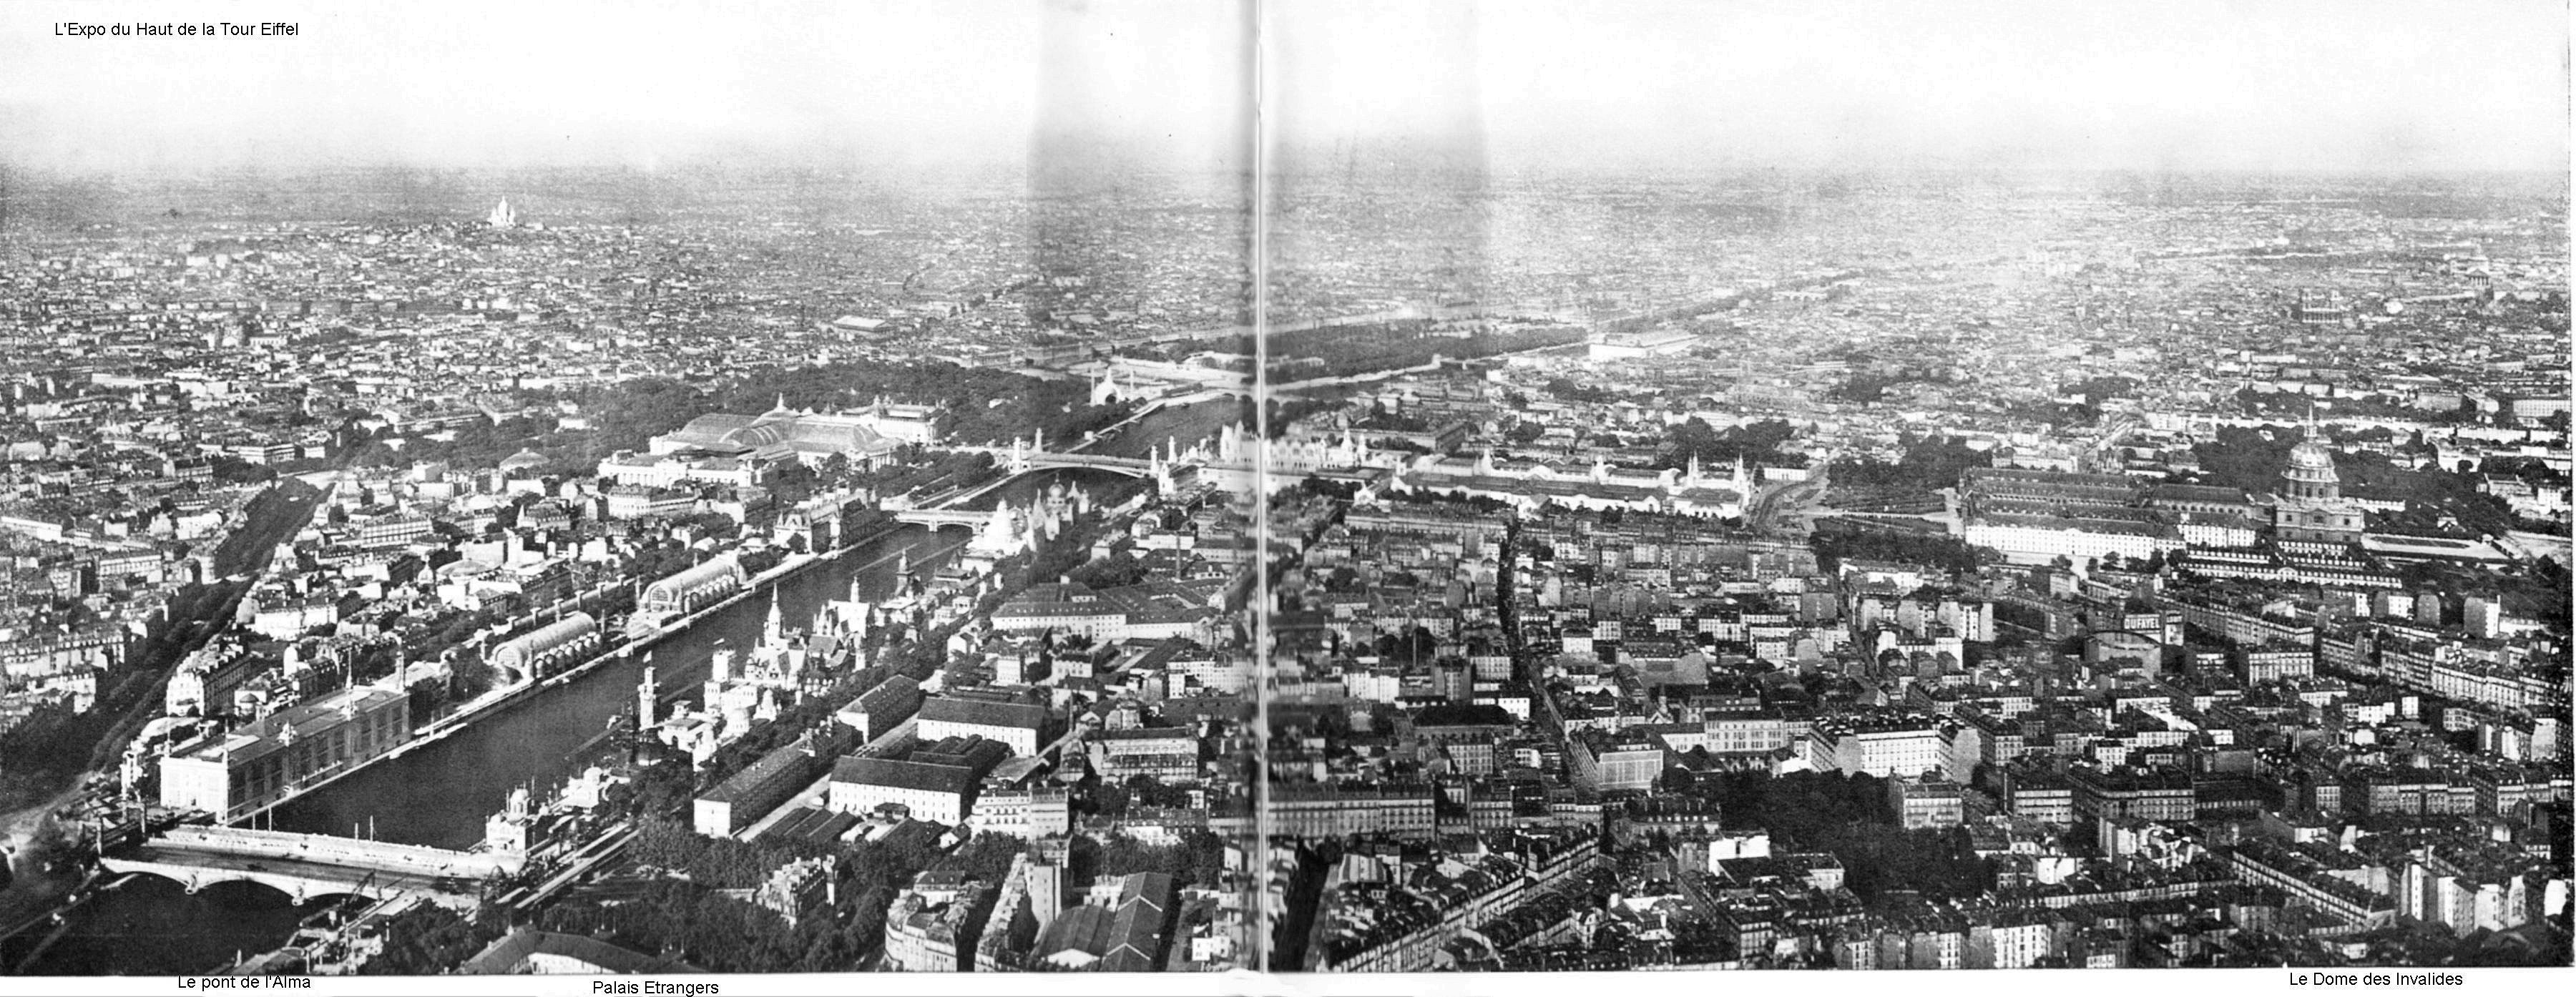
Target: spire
{"type": "Point", "coordinates": [775, 628]}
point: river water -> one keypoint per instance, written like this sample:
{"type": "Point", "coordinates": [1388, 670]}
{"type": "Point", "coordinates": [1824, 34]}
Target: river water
{"type": "Point", "coordinates": [439, 794]}
{"type": "Point", "coordinates": [149, 926]}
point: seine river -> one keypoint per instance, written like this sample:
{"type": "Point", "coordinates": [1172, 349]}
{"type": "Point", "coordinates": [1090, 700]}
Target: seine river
{"type": "Point", "coordinates": [440, 794]}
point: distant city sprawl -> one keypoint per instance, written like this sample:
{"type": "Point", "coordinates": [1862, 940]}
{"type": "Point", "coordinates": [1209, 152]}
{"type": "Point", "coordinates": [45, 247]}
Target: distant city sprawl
{"type": "Point", "coordinates": [1923, 572]}
{"type": "Point", "coordinates": [1787, 570]}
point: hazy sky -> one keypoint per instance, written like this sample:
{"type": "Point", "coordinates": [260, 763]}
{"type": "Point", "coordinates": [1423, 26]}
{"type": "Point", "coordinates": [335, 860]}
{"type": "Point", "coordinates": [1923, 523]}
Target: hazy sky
{"type": "Point", "coordinates": [2276, 84]}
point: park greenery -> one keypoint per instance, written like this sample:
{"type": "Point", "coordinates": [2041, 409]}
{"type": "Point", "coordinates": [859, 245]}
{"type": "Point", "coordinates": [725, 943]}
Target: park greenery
{"type": "Point", "coordinates": [2438, 501]}
{"type": "Point", "coordinates": [1569, 389]}
{"type": "Point", "coordinates": [1925, 464]}
{"type": "Point", "coordinates": [2292, 405]}
{"type": "Point", "coordinates": [1873, 383]}
{"type": "Point", "coordinates": [1942, 551]}
{"type": "Point", "coordinates": [1344, 350]}
{"type": "Point", "coordinates": [1848, 816]}
{"type": "Point", "coordinates": [626, 415]}
{"type": "Point", "coordinates": [1758, 443]}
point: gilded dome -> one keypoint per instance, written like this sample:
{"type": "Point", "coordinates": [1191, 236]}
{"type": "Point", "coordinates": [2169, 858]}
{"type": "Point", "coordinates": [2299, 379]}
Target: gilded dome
{"type": "Point", "coordinates": [2311, 473]}
{"type": "Point", "coordinates": [2311, 455]}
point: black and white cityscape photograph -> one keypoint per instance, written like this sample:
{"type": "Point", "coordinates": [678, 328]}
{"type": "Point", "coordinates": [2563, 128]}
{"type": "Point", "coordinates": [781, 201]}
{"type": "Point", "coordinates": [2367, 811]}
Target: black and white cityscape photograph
{"type": "Point", "coordinates": [702, 498]}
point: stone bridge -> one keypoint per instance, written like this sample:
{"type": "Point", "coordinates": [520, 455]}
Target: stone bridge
{"type": "Point", "coordinates": [1020, 458]}
{"type": "Point", "coordinates": [936, 518]}
{"type": "Point", "coordinates": [304, 866]}
{"type": "Point", "coordinates": [1132, 467]}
